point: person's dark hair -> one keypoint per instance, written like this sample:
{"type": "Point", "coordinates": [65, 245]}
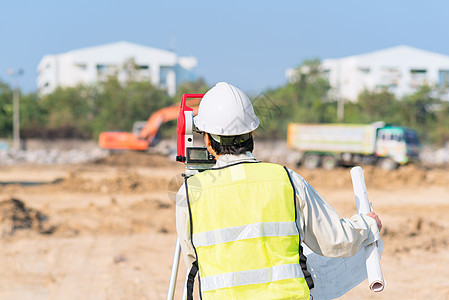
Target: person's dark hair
{"type": "Point", "coordinates": [240, 148]}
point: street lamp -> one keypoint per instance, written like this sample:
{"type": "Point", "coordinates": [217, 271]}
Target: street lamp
{"type": "Point", "coordinates": [16, 111]}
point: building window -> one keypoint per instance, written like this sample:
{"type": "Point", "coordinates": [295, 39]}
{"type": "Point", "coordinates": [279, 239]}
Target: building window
{"type": "Point", "coordinates": [326, 73]}
{"type": "Point", "coordinates": [81, 66]}
{"type": "Point", "coordinates": [164, 70]}
{"type": "Point", "coordinates": [443, 78]}
{"type": "Point", "coordinates": [418, 72]}
{"type": "Point", "coordinates": [144, 71]}
{"type": "Point", "coordinates": [418, 77]}
{"type": "Point", "coordinates": [364, 70]}
{"type": "Point", "coordinates": [389, 78]}
{"type": "Point", "coordinates": [102, 68]}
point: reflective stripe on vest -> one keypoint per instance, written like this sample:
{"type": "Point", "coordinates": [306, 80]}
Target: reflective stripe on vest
{"type": "Point", "coordinates": [249, 231]}
{"type": "Point", "coordinates": [251, 277]}
{"type": "Point", "coordinates": [242, 221]}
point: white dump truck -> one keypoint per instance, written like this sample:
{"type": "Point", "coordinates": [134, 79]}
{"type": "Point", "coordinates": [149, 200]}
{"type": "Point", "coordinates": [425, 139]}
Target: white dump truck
{"type": "Point", "coordinates": [330, 145]}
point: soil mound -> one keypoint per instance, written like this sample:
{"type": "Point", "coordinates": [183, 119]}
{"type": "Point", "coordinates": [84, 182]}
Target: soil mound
{"type": "Point", "coordinates": [19, 221]}
{"type": "Point", "coordinates": [118, 219]}
{"type": "Point", "coordinates": [416, 233]}
{"type": "Point", "coordinates": [127, 182]}
{"type": "Point", "coordinates": [405, 176]}
{"type": "Point", "coordinates": [14, 216]}
{"type": "Point", "coordinates": [134, 158]}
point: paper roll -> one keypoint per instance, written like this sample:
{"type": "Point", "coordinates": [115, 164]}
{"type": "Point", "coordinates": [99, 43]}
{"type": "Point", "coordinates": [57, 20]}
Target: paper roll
{"type": "Point", "coordinates": [375, 277]}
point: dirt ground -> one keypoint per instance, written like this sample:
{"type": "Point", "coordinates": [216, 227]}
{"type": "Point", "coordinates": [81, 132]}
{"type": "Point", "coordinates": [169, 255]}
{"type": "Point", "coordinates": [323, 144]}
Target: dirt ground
{"type": "Point", "coordinates": [106, 230]}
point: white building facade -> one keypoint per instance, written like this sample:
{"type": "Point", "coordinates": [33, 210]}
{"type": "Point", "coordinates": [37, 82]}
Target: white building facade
{"type": "Point", "coordinates": [90, 65]}
{"type": "Point", "coordinates": [401, 70]}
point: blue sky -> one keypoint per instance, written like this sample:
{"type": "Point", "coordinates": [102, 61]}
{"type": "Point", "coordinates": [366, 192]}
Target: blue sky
{"type": "Point", "coordinates": [247, 43]}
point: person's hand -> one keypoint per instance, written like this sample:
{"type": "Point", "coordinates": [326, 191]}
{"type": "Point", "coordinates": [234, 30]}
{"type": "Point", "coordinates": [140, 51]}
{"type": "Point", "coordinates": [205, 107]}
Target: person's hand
{"type": "Point", "coordinates": [375, 217]}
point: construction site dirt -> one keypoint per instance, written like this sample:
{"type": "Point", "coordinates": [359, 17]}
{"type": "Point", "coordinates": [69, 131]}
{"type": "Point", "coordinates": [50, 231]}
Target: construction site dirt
{"type": "Point", "coordinates": [106, 230]}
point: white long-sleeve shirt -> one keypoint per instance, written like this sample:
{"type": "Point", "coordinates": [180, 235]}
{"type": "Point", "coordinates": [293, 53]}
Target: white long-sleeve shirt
{"type": "Point", "coordinates": [320, 227]}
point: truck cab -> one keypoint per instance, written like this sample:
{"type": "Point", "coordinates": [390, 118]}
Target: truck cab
{"type": "Point", "coordinates": [400, 145]}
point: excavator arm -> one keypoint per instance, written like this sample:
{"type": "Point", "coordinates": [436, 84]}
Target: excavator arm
{"type": "Point", "coordinates": [115, 140]}
{"type": "Point", "coordinates": [161, 116]}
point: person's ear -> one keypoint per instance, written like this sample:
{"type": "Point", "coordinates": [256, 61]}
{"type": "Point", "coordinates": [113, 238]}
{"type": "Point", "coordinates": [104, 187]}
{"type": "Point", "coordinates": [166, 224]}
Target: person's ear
{"type": "Point", "coordinates": [207, 142]}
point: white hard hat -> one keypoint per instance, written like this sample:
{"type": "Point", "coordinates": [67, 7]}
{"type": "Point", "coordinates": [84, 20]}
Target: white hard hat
{"type": "Point", "coordinates": [226, 110]}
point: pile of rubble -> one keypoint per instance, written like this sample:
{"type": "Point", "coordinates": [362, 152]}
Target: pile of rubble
{"type": "Point", "coordinates": [48, 152]}
{"type": "Point", "coordinates": [14, 216]}
{"type": "Point", "coordinates": [75, 152]}
{"type": "Point", "coordinates": [435, 156]}
{"type": "Point", "coordinates": [275, 151]}
{"type": "Point", "coordinates": [50, 156]}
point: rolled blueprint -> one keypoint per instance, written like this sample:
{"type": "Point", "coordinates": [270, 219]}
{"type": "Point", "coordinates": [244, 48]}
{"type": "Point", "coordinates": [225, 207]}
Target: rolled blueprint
{"type": "Point", "coordinates": [374, 271]}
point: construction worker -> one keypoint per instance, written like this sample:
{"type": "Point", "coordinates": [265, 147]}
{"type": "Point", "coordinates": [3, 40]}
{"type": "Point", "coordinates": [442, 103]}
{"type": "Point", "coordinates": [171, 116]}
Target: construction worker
{"type": "Point", "coordinates": [241, 223]}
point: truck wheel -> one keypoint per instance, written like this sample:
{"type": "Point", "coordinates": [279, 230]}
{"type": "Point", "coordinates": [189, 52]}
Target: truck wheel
{"type": "Point", "coordinates": [388, 164]}
{"type": "Point", "coordinates": [312, 161]}
{"type": "Point", "coordinates": [329, 162]}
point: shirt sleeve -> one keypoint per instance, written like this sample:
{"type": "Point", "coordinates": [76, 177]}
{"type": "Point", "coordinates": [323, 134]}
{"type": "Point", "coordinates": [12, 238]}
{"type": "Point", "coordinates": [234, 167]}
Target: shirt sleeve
{"type": "Point", "coordinates": [183, 227]}
{"type": "Point", "coordinates": [323, 231]}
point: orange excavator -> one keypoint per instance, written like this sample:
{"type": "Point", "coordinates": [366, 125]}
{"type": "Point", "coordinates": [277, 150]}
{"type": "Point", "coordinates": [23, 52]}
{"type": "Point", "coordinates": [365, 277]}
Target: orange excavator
{"type": "Point", "coordinates": [144, 132]}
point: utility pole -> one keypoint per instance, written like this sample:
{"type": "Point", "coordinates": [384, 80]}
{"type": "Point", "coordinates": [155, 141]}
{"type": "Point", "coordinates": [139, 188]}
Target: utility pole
{"type": "Point", "coordinates": [340, 99]}
{"type": "Point", "coordinates": [340, 109]}
{"type": "Point", "coordinates": [16, 109]}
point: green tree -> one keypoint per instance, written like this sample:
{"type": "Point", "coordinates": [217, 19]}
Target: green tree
{"type": "Point", "coordinates": [304, 99]}
{"type": "Point", "coordinates": [66, 112]}
{"type": "Point", "coordinates": [198, 86]}
{"type": "Point", "coordinates": [419, 111]}
{"type": "Point", "coordinates": [373, 106]}
{"type": "Point", "coordinates": [117, 106]}
{"type": "Point", "coordinates": [6, 109]}
{"type": "Point", "coordinates": [439, 133]}
{"type": "Point", "coordinates": [32, 116]}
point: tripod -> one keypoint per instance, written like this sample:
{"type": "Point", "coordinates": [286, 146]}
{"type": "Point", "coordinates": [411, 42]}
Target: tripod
{"type": "Point", "coordinates": [174, 274]}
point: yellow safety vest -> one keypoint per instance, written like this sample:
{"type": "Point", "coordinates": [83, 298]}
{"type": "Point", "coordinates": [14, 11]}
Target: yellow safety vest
{"type": "Point", "coordinates": [242, 222]}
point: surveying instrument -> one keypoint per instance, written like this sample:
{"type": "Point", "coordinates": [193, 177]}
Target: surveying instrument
{"type": "Point", "coordinates": [196, 159]}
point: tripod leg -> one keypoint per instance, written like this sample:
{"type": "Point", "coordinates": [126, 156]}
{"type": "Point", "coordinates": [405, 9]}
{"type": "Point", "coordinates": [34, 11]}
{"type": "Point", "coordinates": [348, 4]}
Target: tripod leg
{"type": "Point", "coordinates": [184, 292]}
{"type": "Point", "coordinates": [174, 271]}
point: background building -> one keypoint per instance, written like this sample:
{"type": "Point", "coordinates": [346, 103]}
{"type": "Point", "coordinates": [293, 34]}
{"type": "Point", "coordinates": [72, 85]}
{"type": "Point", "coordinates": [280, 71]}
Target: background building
{"type": "Point", "coordinates": [89, 65]}
{"type": "Point", "coordinates": [402, 70]}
